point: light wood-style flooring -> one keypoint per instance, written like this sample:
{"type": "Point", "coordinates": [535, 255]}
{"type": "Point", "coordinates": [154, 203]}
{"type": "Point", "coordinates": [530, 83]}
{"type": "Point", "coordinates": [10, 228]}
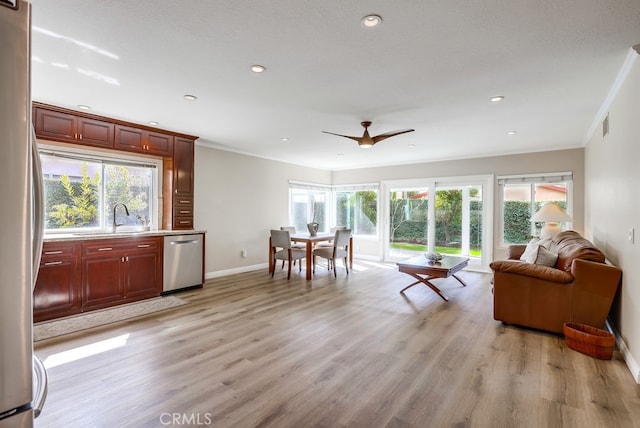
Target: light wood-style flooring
{"type": "Point", "coordinates": [252, 351]}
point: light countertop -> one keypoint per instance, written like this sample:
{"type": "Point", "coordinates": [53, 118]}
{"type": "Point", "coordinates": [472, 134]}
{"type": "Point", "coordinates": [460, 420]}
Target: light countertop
{"type": "Point", "coordinates": [85, 236]}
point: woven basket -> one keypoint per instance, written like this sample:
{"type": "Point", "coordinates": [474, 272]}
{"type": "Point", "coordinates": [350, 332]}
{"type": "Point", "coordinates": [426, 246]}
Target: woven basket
{"type": "Point", "coordinates": [589, 340]}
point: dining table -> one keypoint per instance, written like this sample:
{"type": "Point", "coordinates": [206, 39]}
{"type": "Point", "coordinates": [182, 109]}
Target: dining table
{"type": "Point", "coordinates": [311, 240]}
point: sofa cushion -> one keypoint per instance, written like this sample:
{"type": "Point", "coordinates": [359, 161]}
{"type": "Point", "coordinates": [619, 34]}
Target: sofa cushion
{"type": "Point", "coordinates": [569, 245]}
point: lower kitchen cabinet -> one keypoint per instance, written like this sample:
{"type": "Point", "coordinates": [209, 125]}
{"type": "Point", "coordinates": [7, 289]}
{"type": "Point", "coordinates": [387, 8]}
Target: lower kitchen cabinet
{"type": "Point", "coordinates": [117, 271]}
{"type": "Point", "coordinates": [80, 276]}
{"type": "Point", "coordinates": [57, 292]}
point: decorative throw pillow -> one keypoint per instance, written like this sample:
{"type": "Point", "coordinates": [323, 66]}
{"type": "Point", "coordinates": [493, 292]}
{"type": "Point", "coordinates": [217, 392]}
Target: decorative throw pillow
{"type": "Point", "coordinates": [532, 246]}
{"type": "Point", "coordinates": [544, 257]}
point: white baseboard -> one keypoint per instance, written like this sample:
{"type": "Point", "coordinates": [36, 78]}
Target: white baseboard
{"type": "Point", "coordinates": [632, 364]}
{"type": "Point", "coordinates": [219, 273]}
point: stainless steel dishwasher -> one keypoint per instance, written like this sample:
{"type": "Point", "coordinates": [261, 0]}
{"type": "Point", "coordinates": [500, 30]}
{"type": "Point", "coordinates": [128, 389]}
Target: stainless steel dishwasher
{"type": "Point", "coordinates": [182, 262]}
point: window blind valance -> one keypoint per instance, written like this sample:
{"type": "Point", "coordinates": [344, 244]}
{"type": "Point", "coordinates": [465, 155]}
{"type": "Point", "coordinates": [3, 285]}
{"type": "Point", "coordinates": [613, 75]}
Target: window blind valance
{"type": "Point", "coordinates": [337, 188]}
{"type": "Point", "coordinates": [308, 186]}
{"type": "Point", "coordinates": [95, 160]}
{"type": "Point", "coordinates": [550, 177]}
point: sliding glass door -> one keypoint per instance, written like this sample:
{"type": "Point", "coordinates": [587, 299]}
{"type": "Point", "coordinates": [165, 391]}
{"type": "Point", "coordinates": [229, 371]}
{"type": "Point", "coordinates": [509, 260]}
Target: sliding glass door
{"type": "Point", "coordinates": [448, 217]}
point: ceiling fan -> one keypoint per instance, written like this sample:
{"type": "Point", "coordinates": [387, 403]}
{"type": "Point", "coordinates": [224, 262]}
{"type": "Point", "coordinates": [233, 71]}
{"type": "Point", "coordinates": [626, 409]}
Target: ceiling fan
{"type": "Point", "coordinates": [367, 141]}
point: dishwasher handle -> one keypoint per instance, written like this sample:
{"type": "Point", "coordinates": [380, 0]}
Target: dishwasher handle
{"type": "Point", "coordinates": [194, 241]}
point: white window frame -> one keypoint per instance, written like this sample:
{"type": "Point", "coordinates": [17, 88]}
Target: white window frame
{"type": "Point", "coordinates": [533, 180]}
{"type": "Point", "coordinates": [331, 203]}
{"type": "Point", "coordinates": [96, 154]}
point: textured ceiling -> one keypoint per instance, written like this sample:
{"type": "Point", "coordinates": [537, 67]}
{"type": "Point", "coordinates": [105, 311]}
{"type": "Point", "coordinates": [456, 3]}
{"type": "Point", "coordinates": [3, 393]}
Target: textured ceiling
{"type": "Point", "coordinates": [431, 65]}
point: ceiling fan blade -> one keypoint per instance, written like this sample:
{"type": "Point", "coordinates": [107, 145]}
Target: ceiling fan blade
{"type": "Point", "coordinates": [345, 136]}
{"type": "Point", "coordinates": [386, 135]}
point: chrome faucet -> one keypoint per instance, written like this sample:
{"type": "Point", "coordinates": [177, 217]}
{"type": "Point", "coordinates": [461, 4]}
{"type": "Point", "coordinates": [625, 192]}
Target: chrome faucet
{"type": "Point", "coordinates": [115, 225]}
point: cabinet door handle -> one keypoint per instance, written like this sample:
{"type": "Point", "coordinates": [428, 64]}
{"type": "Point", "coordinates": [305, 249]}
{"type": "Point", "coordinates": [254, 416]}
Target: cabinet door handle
{"type": "Point", "coordinates": [105, 249]}
{"type": "Point", "coordinates": [53, 263]}
{"type": "Point", "coordinates": [143, 245]}
{"type": "Point", "coordinates": [53, 252]}
{"type": "Point", "coordinates": [81, 136]}
{"type": "Point", "coordinates": [184, 202]}
{"type": "Point", "coordinates": [185, 222]}
{"type": "Point", "coordinates": [184, 212]}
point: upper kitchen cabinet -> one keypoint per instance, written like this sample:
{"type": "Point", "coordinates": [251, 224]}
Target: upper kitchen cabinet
{"type": "Point", "coordinates": [143, 141]}
{"type": "Point", "coordinates": [176, 149]}
{"type": "Point", "coordinates": [70, 128]}
{"type": "Point", "coordinates": [179, 172]}
{"type": "Point", "coordinates": [183, 167]}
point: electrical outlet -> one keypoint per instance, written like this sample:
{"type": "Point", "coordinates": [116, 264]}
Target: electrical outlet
{"type": "Point", "coordinates": [632, 233]}
{"type": "Point", "coordinates": [243, 253]}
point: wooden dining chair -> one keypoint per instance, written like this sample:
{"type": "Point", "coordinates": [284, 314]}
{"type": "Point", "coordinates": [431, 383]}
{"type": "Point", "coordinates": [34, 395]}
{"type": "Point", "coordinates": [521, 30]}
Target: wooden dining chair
{"type": "Point", "coordinates": [281, 249]}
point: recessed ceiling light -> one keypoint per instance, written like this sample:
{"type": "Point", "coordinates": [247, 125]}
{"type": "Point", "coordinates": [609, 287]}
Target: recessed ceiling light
{"type": "Point", "coordinates": [411, 146]}
{"type": "Point", "coordinates": [284, 139]}
{"type": "Point", "coordinates": [257, 68]}
{"type": "Point", "coordinates": [512, 132]}
{"type": "Point", "coordinates": [83, 107]}
{"type": "Point", "coordinates": [497, 98]}
{"type": "Point", "coordinates": [154, 123]}
{"type": "Point", "coordinates": [190, 97]}
{"type": "Point", "coordinates": [339, 154]}
{"type": "Point", "coordinates": [371, 21]}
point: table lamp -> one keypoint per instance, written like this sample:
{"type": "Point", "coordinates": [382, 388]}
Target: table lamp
{"type": "Point", "coordinates": [551, 214]}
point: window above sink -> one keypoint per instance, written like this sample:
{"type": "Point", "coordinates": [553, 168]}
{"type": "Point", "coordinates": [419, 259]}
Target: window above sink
{"type": "Point", "coordinates": [81, 190]}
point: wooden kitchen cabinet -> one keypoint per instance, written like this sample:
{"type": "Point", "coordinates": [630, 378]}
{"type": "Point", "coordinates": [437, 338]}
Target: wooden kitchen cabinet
{"type": "Point", "coordinates": [79, 276]}
{"type": "Point", "coordinates": [177, 151]}
{"type": "Point", "coordinates": [58, 292]}
{"type": "Point", "coordinates": [70, 128]}
{"type": "Point", "coordinates": [117, 271]}
{"type": "Point", "coordinates": [143, 141]}
{"type": "Point", "coordinates": [183, 177]}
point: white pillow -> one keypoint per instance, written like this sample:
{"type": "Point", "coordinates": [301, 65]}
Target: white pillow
{"type": "Point", "coordinates": [542, 256]}
{"type": "Point", "coordinates": [530, 253]}
{"type": "Point", "coordinates": [532, 246]}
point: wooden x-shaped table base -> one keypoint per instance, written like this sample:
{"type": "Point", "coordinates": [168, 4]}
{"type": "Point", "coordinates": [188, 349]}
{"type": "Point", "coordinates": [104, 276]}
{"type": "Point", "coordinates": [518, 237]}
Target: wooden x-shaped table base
{"type": "Point", "coordinates": [424, 271]}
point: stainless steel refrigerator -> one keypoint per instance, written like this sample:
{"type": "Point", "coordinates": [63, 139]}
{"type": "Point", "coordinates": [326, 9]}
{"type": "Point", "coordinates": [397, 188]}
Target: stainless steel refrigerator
{"type": "Point", "coordinates": [22, 376]}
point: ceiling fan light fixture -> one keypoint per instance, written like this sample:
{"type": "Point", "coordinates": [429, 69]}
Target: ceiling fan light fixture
{"type": "Point", "coordinates": [257, 68]}
{"type": "Point", "coordinates": [365, 145]}
{"type": "Point", "coordinates": [371, 21]}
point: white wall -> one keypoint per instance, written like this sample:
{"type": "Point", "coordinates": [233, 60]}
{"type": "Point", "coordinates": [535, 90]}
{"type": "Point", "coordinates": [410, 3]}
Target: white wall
{"type": "Point", "coordinates": [613, 205]}
{"type": "Point", "coordinates": [237, 200]}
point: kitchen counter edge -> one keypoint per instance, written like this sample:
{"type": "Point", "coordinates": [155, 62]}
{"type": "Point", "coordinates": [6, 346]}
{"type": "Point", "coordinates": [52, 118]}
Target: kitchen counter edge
{"type": "Point", "coordinates": [82, 237]}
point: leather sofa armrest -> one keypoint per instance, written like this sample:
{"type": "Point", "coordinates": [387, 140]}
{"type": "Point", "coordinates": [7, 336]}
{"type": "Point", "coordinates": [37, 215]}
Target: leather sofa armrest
{"type": "Point", "coordinates": [540, 272]}
{"type": "Point", "coordinates": [597, 276]}
{"type": "Point", "coordinates": [515, 251]}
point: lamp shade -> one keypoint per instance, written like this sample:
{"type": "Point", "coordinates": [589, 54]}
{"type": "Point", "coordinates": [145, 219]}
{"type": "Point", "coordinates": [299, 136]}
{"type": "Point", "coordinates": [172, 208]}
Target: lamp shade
{"type": "Point", "coordinates": [551, 212]}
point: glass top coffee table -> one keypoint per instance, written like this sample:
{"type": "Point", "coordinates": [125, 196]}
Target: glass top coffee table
{"type": "Point", "coordinates": [424, 271]}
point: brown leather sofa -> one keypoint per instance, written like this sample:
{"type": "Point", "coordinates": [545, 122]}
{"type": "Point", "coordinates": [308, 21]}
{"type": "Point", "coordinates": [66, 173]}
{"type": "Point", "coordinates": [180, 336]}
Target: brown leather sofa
{"type": "Point", "coordinates": [579, 288]}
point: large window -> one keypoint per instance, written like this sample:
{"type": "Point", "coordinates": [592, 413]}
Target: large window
{"type": "Point", "coordinates": [80, 192]}
{"type": "Point", "coordinates": [355, 207]}
{"type": "Point", "coordinates": [523, 195]}
{"type": "Point", "coordinates": [309, 204]}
